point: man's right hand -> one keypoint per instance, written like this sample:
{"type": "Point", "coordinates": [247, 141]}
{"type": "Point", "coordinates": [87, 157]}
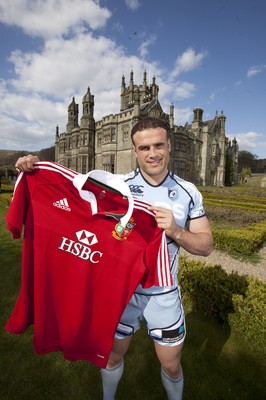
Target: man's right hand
{"type": "Point", "coordinates": [25, 163]}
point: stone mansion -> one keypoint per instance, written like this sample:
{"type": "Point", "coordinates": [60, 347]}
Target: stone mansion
{"type": "Point", "coordinates": [200, 151]}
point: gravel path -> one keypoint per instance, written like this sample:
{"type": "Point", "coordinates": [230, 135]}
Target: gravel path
{"type": "Point", "coordinates": [230, 264]}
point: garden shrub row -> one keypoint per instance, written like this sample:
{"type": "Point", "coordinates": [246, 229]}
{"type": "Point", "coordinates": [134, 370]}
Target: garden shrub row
{"type": "Point", "coordinates": [233, 191]}
{"type": "Point", "coordinates": [240, 242]}
{"type": "Point", "coordinates": [232, 204]}
{"type": "Point", "coordinates": [234, 198]}
{"type": "Point", "coordinates": [233, 216]}
{"type": "Point", "coordinates": [249, 316]}
{"type": "Point", "coordinates": [232, 299]}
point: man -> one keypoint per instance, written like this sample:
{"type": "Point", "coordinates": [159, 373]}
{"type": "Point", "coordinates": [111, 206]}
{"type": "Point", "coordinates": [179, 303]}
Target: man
{"type": "Point", "coordinates": [179, 211]}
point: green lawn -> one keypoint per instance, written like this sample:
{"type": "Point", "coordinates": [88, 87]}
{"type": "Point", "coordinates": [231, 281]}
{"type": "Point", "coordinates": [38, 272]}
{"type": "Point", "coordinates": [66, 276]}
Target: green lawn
{"type": "Point", "coordinates": [217, 366]}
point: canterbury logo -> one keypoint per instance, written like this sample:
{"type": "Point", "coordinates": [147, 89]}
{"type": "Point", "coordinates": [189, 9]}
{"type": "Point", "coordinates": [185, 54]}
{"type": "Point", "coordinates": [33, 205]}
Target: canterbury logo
{"type": "Point", "coordinates": [136, 190]}
{"type": "Point", "coordinates": [63, 204]}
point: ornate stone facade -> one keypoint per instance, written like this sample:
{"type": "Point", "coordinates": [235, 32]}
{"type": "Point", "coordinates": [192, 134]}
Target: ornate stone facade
{"type": "Point", "coordinates": [201, 153]}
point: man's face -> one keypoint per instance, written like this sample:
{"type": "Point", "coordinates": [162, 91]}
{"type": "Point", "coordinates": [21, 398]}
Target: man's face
{"type": "Point", "coordinates": [152, 149]}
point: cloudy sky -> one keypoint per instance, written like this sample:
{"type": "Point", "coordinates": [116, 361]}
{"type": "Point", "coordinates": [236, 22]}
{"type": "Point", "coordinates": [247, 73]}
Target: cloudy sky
{"type": "Point", "coordinates": [209, 54]}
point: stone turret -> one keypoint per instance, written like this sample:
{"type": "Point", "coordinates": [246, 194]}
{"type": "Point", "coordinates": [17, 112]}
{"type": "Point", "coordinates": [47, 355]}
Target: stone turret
{"type": "Point", "coordinates": [222, 119]}
{"type": "Point", "coordinates": [73, 115]}
{"type": "Point", "coordinates": [88, 108]}
{"type": "Point", "coordinates": [198, 112]}
{"type": "Point", "coordinates": [171, 117]}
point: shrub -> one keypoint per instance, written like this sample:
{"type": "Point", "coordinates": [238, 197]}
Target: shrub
{"type": "Point", "coordinates": [233, 191]}
{"type": "Point", "coordinates": [233, 216]}
{"type": "Point", "coordinates": [248, 318]}
{"type": "Point", "coordinates": [260, 228]}
{"type": "Point", "coordinates": [209, 287]}
{"type": "Point", "coordinates": [5, 199]}
{"type": "Point", "coordinates": [239, 301]}
{"type": "Point", "coordinates": [240, 242]}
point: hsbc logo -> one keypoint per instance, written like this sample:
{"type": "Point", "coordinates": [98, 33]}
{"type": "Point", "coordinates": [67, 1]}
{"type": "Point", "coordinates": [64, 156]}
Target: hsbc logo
{"type": "Point", "coordinates": [81, 248]}
{"type": "Point", "coordinates": [86, 237]}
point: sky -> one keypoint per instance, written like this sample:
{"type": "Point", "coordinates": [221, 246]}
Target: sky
{"type": "Point", "coordinates": [209, 54]}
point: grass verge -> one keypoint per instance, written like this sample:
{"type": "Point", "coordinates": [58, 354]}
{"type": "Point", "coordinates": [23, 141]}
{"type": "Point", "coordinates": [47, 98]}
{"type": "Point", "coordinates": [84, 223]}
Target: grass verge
{"type": "Point", "coordinates": [216, 364]}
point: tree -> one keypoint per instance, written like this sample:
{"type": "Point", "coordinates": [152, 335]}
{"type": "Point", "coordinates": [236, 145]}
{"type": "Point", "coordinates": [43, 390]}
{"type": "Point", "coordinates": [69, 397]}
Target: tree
{"type": "Point", "coordinates": [8, 159]}
{"type": "Point", "coordinates": [47, 154]}
{"type": "Point", "coordinates": [246, 160]}
{"type": "Point", "coordinates": [246, 172]}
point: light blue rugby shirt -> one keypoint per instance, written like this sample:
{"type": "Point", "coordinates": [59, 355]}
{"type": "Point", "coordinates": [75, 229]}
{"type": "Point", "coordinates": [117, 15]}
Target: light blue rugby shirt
{"type": "Point", "coordinates": [174, 193]}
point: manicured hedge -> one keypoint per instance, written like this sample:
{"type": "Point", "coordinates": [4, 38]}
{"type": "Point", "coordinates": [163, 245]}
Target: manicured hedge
{"type": "Point", "coordinates": [241, 242]}
{"type": "Point", "coordinates": [241, 206]}
{"type": "Point", "coordinates": [234, 199]}
{"type": "Point", "coordinates": [236, 300]}
{"type": "Point", "coordinates": [249, 316]}
{"type": "Point", "coordinates": [209, 287]}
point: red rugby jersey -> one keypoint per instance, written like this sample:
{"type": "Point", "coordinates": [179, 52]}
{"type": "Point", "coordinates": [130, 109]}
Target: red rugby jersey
{"type": "Point", "coordinates": [86, 246]}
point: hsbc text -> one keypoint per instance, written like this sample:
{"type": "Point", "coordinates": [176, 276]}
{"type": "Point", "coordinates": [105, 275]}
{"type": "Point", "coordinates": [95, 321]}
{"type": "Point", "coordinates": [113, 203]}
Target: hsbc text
{"type": "Point", "coordinates": [79, 250]}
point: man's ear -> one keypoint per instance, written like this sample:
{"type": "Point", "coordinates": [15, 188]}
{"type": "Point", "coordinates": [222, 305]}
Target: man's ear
{"type": "Point", "coordinates": [134, 149]}
{"type": "Point", "coordinates": [169, 145]}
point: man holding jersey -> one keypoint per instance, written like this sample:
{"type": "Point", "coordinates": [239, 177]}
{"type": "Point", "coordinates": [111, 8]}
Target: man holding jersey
{"type": "Point", "coordinates": [179, 211]}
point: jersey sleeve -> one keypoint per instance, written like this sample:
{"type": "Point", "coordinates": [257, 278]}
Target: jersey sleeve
{"type": "Point", "coordinates": [197, 208]}
{"type": "Point", "coordinates": [19, 212]}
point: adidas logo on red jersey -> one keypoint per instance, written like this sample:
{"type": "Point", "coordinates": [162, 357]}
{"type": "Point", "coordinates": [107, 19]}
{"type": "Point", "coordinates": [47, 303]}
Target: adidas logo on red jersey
{"type": "Point", "coordinates": [63, 204]}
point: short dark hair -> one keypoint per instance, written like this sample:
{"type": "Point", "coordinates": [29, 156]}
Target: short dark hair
{"type": "Point", "coordinates": [150, 123]}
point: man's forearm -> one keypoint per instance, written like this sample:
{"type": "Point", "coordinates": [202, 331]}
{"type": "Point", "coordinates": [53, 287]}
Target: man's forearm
{"type": "Point", "coordinates": [199, 243]}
